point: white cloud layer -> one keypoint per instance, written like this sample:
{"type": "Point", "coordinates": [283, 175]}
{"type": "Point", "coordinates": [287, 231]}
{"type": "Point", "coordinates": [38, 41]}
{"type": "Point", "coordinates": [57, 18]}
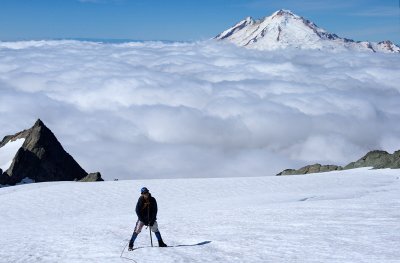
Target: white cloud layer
{"type": "Point", "coordinates": [157, 110]}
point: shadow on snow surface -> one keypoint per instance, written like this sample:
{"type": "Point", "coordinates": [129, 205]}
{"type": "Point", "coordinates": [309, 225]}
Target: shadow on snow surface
{"type": "Point", "coordinates": [198, 244]}
{"type": "Point", "coordinates": [193, 245]}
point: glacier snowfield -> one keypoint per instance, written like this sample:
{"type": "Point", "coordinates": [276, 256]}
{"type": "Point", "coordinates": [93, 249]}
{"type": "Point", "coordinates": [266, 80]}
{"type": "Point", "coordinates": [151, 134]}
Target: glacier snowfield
{"type": "Point", "coordinates": [346, 216]}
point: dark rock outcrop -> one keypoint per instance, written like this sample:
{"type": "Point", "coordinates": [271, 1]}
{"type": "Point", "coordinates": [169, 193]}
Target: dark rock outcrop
{"type": "Point", "coordinates": [395, 160]}
{"type": "Point", "coordinates": [41, 158]}
{"type": "Point", "coordinates": [1, 177]}
{"type": "Point", "coordinates": [92, 177]}
{"type": "Point", "coordinates": [315, 168]}
{"type": "Point", "coordinates": [376, 159]}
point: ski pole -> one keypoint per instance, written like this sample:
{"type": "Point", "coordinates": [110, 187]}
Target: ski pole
{"type": "Point", "coordinates": [151, 237]}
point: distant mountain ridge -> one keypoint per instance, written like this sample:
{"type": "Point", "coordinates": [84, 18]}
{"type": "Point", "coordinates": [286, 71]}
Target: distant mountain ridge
{"type": "Point", "coordinates": [284, 29]}
{"type": "Point", "coordinates": [376, 159]}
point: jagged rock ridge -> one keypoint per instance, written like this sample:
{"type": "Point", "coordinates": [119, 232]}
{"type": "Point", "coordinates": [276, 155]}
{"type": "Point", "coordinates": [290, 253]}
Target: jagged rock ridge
{"type": "Point", "coordinates": [284, 29]}
{"type": "Point", "coordinates": [376, 159]}
{"type": "Point", "coordinates": [314, 168]}
{"type": "Point", "coordinates": [42, 159]}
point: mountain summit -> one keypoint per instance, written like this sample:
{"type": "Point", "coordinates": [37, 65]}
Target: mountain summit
{"type": "Point", "coordinates": [284, 29]}
{"type": "Point", "coordinates": [41, 158]}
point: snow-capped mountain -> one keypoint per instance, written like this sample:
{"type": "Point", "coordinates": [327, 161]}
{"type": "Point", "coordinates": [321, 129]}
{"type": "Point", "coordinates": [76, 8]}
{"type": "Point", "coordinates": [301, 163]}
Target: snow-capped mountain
{"type": "Point", "coordinates": [284, 29]}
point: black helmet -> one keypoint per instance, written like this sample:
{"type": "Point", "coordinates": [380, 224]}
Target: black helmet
{"type": "Point", "coordinates": [144, 190]}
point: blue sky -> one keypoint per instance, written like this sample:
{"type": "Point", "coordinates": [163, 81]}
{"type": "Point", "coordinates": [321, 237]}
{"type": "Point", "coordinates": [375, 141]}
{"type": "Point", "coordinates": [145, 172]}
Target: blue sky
{"type": "Point", "coordinates": [187, 20]}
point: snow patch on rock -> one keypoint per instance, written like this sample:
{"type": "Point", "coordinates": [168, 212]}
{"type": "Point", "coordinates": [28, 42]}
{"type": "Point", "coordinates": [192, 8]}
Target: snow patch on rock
{"type": "Point", "coordinates": [8, 151]}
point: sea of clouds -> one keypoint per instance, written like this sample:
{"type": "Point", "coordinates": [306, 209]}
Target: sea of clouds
{"type": "Point", "coordinates": [204, 109]}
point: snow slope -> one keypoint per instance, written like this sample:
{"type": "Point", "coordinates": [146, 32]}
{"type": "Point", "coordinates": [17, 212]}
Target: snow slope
{"type": "Point", "coordinates": [347, 216]}
{"type": "Point", "coordinates": [284, 29]}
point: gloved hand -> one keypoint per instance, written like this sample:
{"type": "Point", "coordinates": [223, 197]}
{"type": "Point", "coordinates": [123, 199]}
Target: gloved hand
{"type": "Point", "coordinates": [151, 223]}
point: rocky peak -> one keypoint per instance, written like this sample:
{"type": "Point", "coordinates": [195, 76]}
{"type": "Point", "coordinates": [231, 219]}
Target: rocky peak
{"type": "Point", "coordinates": [376, 159]}
{"type": "Point", "coordinates": [283, 12]}
{"type": "Point", "coordinates": [388, 45]}
{"type": "Point", "coordinates": [41, 158]}
{"type": "Point", "coordinates": [284, 16]}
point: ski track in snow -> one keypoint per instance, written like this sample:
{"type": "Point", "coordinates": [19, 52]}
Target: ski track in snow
{"type": "Point", "coordinates": [346, 216]}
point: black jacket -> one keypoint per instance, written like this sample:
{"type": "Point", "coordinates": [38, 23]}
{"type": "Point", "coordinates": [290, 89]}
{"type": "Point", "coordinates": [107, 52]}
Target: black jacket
{"type": "Point", "coordinates": [147, 213]}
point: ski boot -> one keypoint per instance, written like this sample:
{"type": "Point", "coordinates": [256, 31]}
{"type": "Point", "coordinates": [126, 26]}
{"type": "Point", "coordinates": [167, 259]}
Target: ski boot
{"type": "Point", "coordinates": [160, 241]}
{"type": "Point", "coordinates": [134, 235]}
{"type": "Point", "coordinates": [130, 248]}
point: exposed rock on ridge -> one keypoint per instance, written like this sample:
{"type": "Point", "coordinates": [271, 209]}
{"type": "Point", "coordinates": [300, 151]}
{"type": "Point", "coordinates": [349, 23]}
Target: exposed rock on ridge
{"type": "Point", "coordinates": [315, 168]}
{"type": "Point", "coordinates": [41, 158]}
{"type": "Point", "coordinates": [92, 177]}
{"type": "Point", "coordinates": [376, 159]}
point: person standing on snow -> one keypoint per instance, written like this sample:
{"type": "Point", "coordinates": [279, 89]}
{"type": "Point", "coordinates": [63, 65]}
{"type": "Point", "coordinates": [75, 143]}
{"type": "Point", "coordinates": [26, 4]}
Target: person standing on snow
{"type": "Point", "coordinates": [146, 210]}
